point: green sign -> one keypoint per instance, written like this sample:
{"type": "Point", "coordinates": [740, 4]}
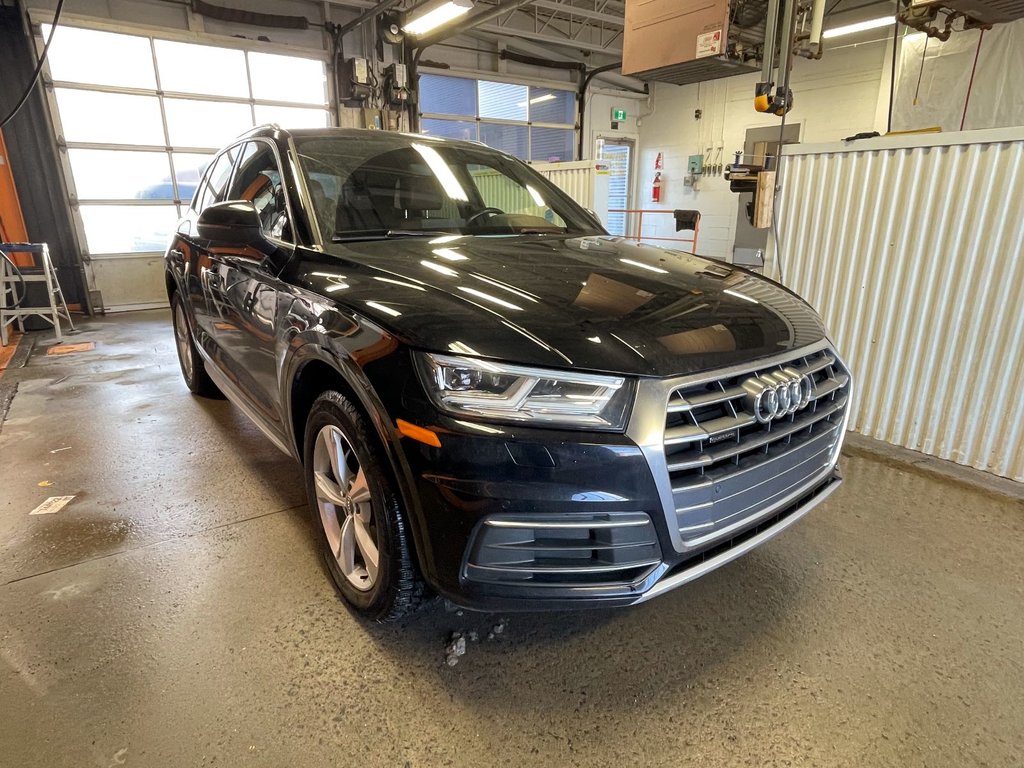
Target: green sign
{"type": "Point", "coordinates": [618, 114]}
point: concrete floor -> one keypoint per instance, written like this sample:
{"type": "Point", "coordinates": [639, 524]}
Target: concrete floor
{"type": "Point", "coordinates": [175, 614]}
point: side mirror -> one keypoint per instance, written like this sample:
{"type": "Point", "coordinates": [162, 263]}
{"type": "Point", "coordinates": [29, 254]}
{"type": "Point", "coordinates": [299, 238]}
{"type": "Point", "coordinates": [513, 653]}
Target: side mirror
{"type": "Point", "coordinates": [593, 215]}
{"type": "Point", "coordinates": [233, 222]}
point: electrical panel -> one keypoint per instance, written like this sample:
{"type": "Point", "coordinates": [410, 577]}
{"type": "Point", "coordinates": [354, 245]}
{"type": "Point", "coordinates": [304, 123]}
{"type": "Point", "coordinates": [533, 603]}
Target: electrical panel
{"type": "Point", "coordinates": [695, 165]}
{"type": "Point", "coordinates": [396, 84]}
{"type": "Point", "coordinates": [354, 80]}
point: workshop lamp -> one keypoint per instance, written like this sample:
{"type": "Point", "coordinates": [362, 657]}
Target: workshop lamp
{"type": "Point", "coordinates": [432, 15]}
{"type": "Point", "coordinates": [860, 26]}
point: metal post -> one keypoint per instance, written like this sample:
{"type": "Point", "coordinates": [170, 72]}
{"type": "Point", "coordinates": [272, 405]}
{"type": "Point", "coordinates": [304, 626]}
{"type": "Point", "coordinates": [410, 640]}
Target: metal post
{"type": "Point", "coordinates": [771, 21]}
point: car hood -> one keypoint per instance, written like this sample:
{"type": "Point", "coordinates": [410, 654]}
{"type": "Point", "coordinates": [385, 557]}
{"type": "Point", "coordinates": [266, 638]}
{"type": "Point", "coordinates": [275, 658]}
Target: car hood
{"type": "Point", "coordinates": [595, 303]}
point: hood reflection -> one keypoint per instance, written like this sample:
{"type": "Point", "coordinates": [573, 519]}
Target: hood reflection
{"type": "Point", "coordinates": [598, 303]}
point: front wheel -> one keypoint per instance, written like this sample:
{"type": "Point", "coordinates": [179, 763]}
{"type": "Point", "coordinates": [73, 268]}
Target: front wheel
{"type": "Point", "coordinates": [356, 513]}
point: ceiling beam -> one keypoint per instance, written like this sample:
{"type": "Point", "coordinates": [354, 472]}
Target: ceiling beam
{"type": "Point", "coordinates": [476, 20]}
{"type": "Point", "coordinates": [580, 13]}
{"type": "Point", "coordinates": [579, 45]}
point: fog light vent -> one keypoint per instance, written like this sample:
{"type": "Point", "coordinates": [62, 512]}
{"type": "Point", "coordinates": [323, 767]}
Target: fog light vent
{"type": "Point", "coordinates": [564, 550]}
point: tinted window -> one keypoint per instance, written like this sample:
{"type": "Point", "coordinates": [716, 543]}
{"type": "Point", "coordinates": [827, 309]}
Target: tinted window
{"type": "Point", "coordinates": [373, 186]}
{"type": "Point", "coordinates": [258, 180]}
{"type": "Point", "coordinates": [214, 185]}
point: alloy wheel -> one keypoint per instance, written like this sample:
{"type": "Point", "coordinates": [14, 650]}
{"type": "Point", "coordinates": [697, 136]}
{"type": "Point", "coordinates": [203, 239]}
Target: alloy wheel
{"type": "Point", "coordinates": [183, 341]}
{"type": "Point", "coordinates": [344, 499]}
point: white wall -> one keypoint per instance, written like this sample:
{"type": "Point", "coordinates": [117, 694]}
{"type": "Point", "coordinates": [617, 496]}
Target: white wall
{"type": "Point", "coordinates": [835, 97]}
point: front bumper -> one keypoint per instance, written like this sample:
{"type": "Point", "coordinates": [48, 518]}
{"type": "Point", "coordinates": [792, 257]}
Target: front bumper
{"type": "Point", "coordinates": [473, 481]}
{"type": "Point", "coordinates": [520, 518]}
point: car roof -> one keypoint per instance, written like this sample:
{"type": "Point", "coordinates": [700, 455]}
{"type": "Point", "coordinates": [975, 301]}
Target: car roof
{"type": "Point", "coordinates": [381, 138]}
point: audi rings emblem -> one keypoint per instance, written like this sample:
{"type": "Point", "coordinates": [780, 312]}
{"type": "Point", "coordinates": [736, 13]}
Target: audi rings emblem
{"type": "Point", "coordinates": [776, 394]}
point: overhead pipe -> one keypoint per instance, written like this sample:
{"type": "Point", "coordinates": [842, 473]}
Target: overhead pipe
{"type": "Point", "coordinates": [537, 61]}
{"type": "Point", "coordinates": [817, 21]}
{"type": "Point", "coordinates": [581, 101]}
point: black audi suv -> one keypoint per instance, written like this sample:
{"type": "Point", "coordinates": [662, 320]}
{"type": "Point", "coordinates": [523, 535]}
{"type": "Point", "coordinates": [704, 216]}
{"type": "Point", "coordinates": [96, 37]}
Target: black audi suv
{"type": "Point", "coordinates": [491, 398]}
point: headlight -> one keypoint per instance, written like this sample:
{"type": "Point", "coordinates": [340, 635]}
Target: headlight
{"type": "Point", "coordinates": [492, 390]}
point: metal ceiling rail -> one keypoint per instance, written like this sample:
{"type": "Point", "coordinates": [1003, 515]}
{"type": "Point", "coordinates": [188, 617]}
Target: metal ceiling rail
{"type": "Point", "coordinates": [566, 7]}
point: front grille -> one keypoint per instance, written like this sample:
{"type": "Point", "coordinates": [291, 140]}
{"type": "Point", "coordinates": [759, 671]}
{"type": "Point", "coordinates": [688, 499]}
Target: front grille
{"type": "Point", "coordinates": [725, 467]}
{"type": "Point", "coordinates": [564, 549]}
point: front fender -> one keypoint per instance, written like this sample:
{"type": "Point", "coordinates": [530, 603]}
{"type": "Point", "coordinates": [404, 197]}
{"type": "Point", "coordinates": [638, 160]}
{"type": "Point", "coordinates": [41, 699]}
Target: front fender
{"type": "Point", "coordinates": [345, 352]}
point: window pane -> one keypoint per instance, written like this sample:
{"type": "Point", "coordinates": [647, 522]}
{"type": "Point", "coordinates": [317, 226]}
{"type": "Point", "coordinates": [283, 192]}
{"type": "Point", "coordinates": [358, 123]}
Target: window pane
{"type": "Point", "coordinates": [258, 180]}
{"type": "Point", "coordinates": [128, 228]}
{"type": "Point", "coordinates": [188, 170]}
{"type": "Point", "coordinates": [551, 106]}
{"type": "Point", "coordinates": [504, 101]}
{"type": "Point", "coordinates": [205, 123]}
{"type": "Point", "coordinates": [447, 95]}
{"type": "Point", "coordinates": [112, 118]}
{"type": "Point", "coordinates": [287, 78]}
{"type": "Point", "coordinates": [552, 145]}
{"type": "Point", "coordinates": [126, 61]}
{"type": "Point", "coordinates": [511, 196]}
{"type": "Point", "coordinates": [207, 69]}
{"type": "Point", "coordinates": [508, 138]}
{"type": "Point", "coordinates": [449, 129]}
{"type": "Point", "coordinates": [107, 174]}
{"type": "Point", "coordinates": [216, 183]}
{"type": "Point", "coordinates": [291, 117]}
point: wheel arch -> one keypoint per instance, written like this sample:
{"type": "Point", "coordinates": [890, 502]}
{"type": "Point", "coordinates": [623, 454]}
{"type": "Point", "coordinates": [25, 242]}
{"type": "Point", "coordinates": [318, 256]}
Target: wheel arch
{"type": "Point", "coordinates": [314, 370]}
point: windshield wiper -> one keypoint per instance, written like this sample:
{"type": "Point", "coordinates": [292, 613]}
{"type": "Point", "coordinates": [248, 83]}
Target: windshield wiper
{"type": "Point", "coordinates": [384, 234]}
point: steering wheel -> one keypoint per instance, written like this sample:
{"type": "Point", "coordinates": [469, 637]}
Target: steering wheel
{"type": "Point", "coordinates": [489, 209]}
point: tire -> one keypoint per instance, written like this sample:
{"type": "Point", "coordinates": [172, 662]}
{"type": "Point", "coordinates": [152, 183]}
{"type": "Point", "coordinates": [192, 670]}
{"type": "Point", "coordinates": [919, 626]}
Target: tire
{"type": "Point", "coordinates": [193, 370]}
{"type": "Point", "coordinates": [358, 515]}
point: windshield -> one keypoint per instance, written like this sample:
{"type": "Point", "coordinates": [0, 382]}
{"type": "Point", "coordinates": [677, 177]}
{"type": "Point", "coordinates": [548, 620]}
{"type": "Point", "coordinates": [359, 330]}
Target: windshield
{"type": "Point", "coordinates": [371, 188]}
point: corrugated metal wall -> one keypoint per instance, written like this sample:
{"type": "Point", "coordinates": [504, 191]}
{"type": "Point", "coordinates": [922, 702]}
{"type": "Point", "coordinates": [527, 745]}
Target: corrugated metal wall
{"type": "Point", "coordinates": [913, 252]}
{"type": "Point", "coordinates": [576, 179]}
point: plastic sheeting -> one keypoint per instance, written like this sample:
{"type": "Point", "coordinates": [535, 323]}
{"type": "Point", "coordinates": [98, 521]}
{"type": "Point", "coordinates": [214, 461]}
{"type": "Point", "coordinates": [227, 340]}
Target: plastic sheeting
{"type": "Point", "coordinates": [997, 96]}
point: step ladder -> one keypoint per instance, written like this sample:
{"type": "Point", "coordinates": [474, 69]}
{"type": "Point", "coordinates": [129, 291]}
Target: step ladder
{"type": "Point", "coordinates": [10, 283]}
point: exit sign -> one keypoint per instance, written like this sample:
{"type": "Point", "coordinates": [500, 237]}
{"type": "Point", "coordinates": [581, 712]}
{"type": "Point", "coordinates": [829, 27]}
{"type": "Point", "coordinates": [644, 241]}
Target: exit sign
{"type": "Point", "coordinates": [618, 114]}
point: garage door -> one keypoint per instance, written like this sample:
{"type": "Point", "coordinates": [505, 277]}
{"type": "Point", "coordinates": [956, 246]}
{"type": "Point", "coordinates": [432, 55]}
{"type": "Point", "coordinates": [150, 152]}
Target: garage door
{"type": "Point", "coordinates": [141, 122]}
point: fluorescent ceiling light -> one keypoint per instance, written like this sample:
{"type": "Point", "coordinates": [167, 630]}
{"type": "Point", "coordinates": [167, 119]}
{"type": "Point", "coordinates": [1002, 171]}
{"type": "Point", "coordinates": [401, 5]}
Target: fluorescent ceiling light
{"type": "Point", "coordinates": [400, 282]}
{"type": "Point", "coordinates": [449, 254]}
{"type": "Point", "coordinates": [739, 295]}
{"type": "Point", "coordinates": [644, 266]}
{"type": "Point", "coordinates": [538, 100]}
{"type": "Point", "coordinates": [446, 271]}
{"type": "Point", "coordinates": [444, 174]}
{"type": "Point", "coordinates": [462, 349]}
{"type": "Point", "coordinates": [536, 196]}
{"type": "Point", "coordinates": [860, 26]}
{"type": "Point", "coordinates": [488, 297]}
{"type": "Point", "coordinates": [436, 14]}
{"type": "Point", "coordinates": [384, 308]}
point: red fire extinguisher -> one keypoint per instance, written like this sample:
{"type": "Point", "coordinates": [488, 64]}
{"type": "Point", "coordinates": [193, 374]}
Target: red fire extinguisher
{"type": "Point", "coordinates": [656, 188]}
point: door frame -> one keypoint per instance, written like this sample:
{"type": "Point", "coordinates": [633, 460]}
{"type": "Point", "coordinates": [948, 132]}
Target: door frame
{"type": "Point", "coordinates": [622, 138]}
